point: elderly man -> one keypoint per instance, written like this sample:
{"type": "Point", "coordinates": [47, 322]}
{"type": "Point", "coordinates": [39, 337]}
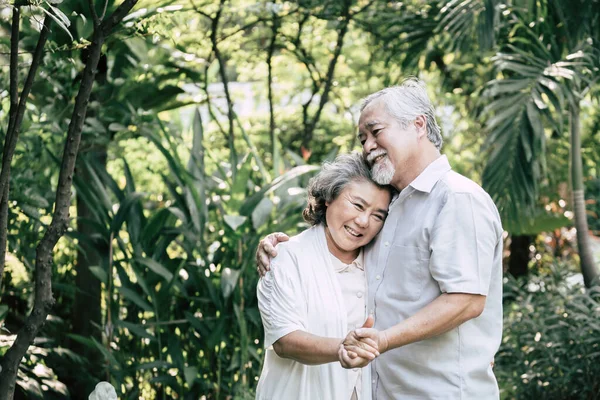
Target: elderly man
{"type": "Point", "coordinates": [435, 270]}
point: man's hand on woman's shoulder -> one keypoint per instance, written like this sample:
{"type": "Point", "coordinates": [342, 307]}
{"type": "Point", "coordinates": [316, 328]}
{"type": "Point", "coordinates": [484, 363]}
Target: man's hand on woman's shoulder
{"type": "Point", "coordinates": [266, 251]}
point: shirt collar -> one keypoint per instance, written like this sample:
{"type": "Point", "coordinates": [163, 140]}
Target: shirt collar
{"type": "Point", "coordinates": [341, 267]}
{"type": "Point", "coordinates": [431, 175]}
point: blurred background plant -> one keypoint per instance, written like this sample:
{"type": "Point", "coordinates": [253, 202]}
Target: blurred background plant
{"type": "Point", "coordinates": [551, 340]}
{"type": "Point", "coordinates": [205, 122]}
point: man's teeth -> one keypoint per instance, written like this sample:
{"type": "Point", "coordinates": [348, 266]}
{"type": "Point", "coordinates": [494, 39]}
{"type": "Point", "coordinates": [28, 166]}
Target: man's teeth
{"type": "Point", "coordinates": [352, 231]}
{"type": "Point", "coordinates": [379, 157]}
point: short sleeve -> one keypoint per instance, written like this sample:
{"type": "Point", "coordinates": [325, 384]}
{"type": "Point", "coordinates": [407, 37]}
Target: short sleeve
{"type": "Point", "coordinates": [463, 243]}
{"type": "Point", "coordinates": [281, 299]}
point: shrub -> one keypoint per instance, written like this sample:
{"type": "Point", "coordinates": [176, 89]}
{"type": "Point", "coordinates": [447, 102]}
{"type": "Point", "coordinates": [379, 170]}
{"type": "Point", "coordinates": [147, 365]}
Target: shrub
{"type": "Point", "coordinates": [551, 341]}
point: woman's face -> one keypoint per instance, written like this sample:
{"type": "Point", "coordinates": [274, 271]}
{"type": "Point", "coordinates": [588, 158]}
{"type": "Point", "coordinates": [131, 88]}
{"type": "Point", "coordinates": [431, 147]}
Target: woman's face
{"type": "Point", "coordinates": [355, 217]}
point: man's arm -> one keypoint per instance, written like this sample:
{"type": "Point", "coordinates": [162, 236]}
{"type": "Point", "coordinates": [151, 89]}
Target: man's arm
{"type": "Point", "coordinates": [310, 349]}
{"type": "Point", "coordinates": [266, 251]}
{"type": "Point", "coordinates": [443, 314]}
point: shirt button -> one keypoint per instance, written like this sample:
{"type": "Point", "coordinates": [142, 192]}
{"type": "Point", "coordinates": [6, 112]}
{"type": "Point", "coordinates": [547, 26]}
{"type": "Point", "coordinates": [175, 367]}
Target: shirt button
{"type": "Point", "coordinates": [378, 277]}
{"type": "Point", "coordinates": [355, 369]}
{"type": "Point", "coordinates": [373, 381]}
{"type": "Point", "coordinates": [386, 244]}
{"type": "Point", "coordinates": [359, 295]}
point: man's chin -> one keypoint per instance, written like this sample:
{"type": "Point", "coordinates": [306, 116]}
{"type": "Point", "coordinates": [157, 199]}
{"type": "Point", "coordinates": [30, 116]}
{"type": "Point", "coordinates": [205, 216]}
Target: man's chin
{"type": "Point", "coordinates": [382, 179]}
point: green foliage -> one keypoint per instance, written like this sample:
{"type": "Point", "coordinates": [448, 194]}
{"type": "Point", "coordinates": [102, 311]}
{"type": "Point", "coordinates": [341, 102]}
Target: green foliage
{"type": "Point", "coordinates": [551, 339]}
{"type": "Point", "coordinates": [180, 287]}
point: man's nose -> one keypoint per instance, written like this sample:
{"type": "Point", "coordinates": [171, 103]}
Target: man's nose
{"type": "Point", "coordinates": [369, 145]}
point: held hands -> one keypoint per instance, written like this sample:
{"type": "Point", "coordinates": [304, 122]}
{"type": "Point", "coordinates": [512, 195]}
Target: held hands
{"type": "Point", "coordinates": [266, 251]}
{"type": "Point", "coordinates": [362, 346]}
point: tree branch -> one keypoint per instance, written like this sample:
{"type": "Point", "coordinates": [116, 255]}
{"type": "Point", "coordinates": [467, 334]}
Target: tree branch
{"type": "Point", "coordinates": [3, 232]}
{"type": "Point", "coordinates": [14, 104]}
{"type": "Point", "coordinates": [225, 81]}
{"type": "Point", "coordinates": [209, 103]}
{"type": "Point", "coordinates": [117, 16]}
{"type": "Point", "coordinates": [12, 135]}
{"type": "Point", "coordinates": [14, 65]}
{"type": "Point", "coordinates": [93, 12]}
{"type": "Point", "coordinates": [309, 129]}
{"type": "Point", "coordinates": [104, 10]}
{"type": "Point", "coordinates": [199, 11]}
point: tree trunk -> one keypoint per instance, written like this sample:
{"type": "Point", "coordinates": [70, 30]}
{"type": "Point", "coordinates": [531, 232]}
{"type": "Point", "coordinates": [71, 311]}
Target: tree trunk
{"type": "Point", "coordinates": [272, 133]}
{"type": "Point", "coordinates": [43, 263]}
{"type": "Point", "coordinates": [233, 159]}
{"type": "Point", "coordinates": [588, 265]}
{"type": "Point", "coordinates": [518, 264]}
{"type": "Point", "coordinates": [87, 312]}
{"type": "Point", "coordinates": [43, 299]}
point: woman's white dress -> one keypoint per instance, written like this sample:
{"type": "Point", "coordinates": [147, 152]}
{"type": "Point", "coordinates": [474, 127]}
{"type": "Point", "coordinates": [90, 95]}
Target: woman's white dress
{"type": "Point", "coordinates": [301, 292]}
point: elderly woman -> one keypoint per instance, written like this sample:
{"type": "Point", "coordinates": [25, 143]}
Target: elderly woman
{"type": "Point", "coordinates": [315, 292]}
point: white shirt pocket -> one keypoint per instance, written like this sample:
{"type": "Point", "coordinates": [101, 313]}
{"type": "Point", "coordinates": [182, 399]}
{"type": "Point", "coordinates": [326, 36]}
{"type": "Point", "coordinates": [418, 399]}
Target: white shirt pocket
{"type": "Point", "coordinates": [406, 272]}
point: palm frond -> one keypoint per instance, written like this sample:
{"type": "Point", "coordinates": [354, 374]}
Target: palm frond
{"type": "Point", "coordinates": [469, 21]}
{"type": "Point", "coordinates": [530, 86]}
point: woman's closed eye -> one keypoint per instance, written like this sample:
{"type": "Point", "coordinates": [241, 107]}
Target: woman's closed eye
{"type": "Point", "coordinates": [379, 217]}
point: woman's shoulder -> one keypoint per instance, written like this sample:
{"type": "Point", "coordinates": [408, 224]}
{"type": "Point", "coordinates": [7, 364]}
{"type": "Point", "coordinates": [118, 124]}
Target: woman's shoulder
{"type": "Point", "coordinates": [298, 247]}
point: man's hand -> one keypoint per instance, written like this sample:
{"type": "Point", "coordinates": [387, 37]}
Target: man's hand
{"type": "Point", "coordinates": [373, 336]}
{"type": "Point", "coordinates": [266, 251]}
{"type": "Point", "coordinates": [357, 351]}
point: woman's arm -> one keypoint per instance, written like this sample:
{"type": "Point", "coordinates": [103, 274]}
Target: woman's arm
{"type": "Point", "coordinates": [310, 349]}
{"type": "Point", "coordinates": [307, 348]}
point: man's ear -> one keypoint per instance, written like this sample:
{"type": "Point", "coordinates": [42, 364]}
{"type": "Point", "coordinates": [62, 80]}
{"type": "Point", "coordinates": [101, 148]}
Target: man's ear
{"type": "Point", "coordinates": [421, 126]}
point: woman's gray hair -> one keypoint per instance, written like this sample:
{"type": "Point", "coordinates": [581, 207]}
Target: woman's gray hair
{"type": "Point", "coordinates": [327, 185]}
{"type": "Point", "coordinates": [407, 101]}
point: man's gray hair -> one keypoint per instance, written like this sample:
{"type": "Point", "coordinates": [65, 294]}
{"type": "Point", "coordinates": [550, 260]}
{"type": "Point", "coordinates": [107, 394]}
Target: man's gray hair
{"type": "Point", "coordinates": [407, 101]}
{"type": "Point", "coordinates": [327, 185]}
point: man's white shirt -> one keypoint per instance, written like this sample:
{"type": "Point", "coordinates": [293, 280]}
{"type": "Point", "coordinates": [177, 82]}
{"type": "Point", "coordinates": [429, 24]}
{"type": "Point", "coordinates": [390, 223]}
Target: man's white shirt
{"type": "Point", "coordinates": [443, 235]}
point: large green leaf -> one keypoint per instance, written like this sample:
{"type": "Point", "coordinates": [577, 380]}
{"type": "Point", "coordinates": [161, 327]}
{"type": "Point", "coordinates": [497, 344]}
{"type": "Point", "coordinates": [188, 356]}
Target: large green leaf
{"type": "Point", "coordinates": [136, 329]}
{"type": "Point", "coordinates": [156, 267]}
{"type": "Point", "coordinates": [124, 212]}
{"type": "Point", "coordinates": [262, 212]}
{"type": "Point", "coordinates": [100, 273]}
{"type": "Point", "coordinates": [250, 203]}
{"type": "Point", "coordinates": [135, 298]}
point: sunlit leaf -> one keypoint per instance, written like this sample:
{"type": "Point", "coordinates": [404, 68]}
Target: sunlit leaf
{"type": "Point", "coordinates": [262, 212]}
{"type": "Point", "coordinates": [234, 221]}
{"type": "Point", "coordinates": [229, 279]}
{"type": "Point", "coordinates": [190, 374]}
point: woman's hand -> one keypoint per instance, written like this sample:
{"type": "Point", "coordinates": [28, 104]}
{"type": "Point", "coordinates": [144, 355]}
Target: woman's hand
{"type": "Point", "coordinates": [357, 351]}
{"type": "Point", "coordinates": [349, 362]}
{"type": "Point", "coordinates": [266, 251]}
